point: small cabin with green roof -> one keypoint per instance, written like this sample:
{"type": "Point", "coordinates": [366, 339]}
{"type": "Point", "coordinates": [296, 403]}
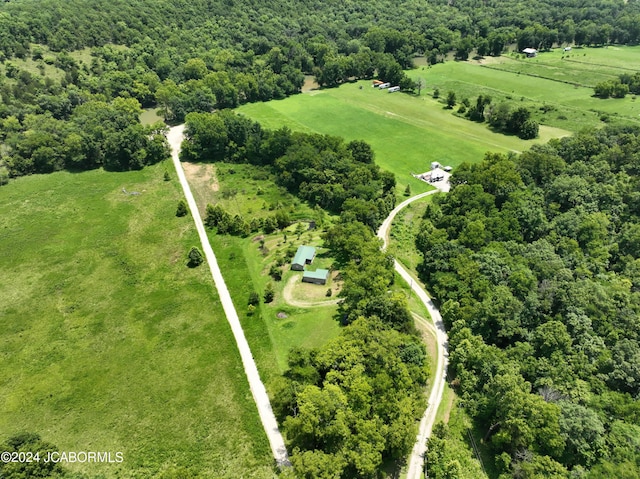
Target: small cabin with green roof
{"type": "Point", "coordinates": [318, 276]}
{"type": "Point", "coordinates": [303, 257]}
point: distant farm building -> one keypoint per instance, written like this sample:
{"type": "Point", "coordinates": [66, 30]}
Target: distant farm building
{"type": "Point", "coordinates": [318, 276]}
{"type": "Point", "coordinates": [530, 52]}
{"type": "Point", "coordinates": [567, 49]}
{"type": "Point", "coordinates": [304, 256]}
{"type": "Point", "coordinates": [437, 174]}
{"type": "Point", "coordinates": [376, 83]}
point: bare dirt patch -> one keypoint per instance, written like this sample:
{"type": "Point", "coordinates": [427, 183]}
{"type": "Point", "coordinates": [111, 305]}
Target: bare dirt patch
{"type": "Point", "coordinates": [488, 60]}
{"type": "Point", "coordinates": [309, 84]}
{"type": "Point", "coordinates": [203, 181]}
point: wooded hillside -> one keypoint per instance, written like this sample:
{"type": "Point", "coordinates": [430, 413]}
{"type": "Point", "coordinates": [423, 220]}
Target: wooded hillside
{"type": "Point", "coordinates": [536, 262]}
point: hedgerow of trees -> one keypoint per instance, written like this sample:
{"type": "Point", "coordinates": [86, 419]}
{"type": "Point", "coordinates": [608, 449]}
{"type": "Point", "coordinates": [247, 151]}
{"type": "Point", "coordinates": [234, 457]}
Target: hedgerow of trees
{"type": "Point", "coordinates": [536, 264]}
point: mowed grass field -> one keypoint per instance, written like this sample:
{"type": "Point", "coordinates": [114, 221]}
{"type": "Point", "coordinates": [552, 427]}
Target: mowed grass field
{"type": "Point", "coordinates": [109, 342]}
{"type": "Point", "coordinates": [407, 132]}
{"type": "Point", "coordinates": [562, 80]}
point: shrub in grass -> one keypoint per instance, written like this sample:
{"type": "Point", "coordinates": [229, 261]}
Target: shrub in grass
{"type": "Point", "coordinates": [182, 208]}
{"type": "Point", "coordinates": [254, 299]}
{"type": "Point", "coordinates": [195, 257]}
{"type": "Point", "coordinates": [275, 273]}
{"type": "Point", "coordinates": [269, 293]}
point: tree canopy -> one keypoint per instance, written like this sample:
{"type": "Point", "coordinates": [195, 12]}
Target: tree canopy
{"type": "Point", "coordinates": [534, 260]}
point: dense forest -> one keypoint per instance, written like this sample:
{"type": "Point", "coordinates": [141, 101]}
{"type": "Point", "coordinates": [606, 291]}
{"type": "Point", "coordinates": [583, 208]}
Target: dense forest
{"type": "Point", "coordinates": [204, 55]}
{"type": "Point", "coordinates": [536, 262]}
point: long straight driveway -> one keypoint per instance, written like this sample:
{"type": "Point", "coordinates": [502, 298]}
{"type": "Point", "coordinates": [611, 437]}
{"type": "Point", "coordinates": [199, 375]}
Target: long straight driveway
{"type": "Point", "coordinates": [269, 423]}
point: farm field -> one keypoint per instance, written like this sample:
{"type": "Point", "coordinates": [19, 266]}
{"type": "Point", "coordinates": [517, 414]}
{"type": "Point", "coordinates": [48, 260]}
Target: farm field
{"type": "Point", "coordinates": [406, 132]}
{"type": "Point", "coordinates": [110, 343]}
{"type": "Point", "coordinates": [566, 84]}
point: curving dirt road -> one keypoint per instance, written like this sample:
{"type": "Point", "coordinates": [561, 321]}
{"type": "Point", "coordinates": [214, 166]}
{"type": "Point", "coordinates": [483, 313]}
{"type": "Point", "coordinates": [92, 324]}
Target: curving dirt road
{"type": "Point", "coordinates": [415, 464]}
{"type": "Point", "coordinates": [287, 294]}
{"type": "Point", "coordinates": [269, 423]}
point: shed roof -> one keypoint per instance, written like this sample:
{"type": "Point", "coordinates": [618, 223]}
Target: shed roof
{"type": "Point", "coordinates": [529, 50]}
{"type": "Point", "coordinates": [304, 254]}
{"type": "Point", "coordinates": [317, 274]}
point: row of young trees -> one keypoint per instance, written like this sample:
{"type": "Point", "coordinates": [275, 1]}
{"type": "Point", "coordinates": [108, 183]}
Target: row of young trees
{"type": "Point", "coordinates": [535, 261]}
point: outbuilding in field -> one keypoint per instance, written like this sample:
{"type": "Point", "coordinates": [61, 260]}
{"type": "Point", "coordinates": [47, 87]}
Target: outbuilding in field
{"type": "Point", "coordinates": [304, 256]}
{"type": "Point", "coordinates": [318, 276]}
{"type": "Point", "coordinates": [437, 175]}
{"type": "Point", "coordinates": [530, 52]}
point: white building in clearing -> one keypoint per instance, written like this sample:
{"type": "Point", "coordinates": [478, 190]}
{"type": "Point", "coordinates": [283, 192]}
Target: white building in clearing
{"type": "Point", "coordinates": [530, 52]}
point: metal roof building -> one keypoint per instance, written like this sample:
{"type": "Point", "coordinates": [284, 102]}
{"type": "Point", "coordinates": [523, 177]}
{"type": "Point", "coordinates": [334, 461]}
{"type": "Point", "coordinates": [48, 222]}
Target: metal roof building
{"type": "Point", "coordinates": [304, 256]}
{"type": "Point", "coordinates": [318, 276]}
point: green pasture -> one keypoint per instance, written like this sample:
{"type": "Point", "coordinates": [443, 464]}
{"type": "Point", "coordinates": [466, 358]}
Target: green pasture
{"type": "Point", "coordinates": [562, 87]}
{"type": "Point", "coordinates": [406, 132]}
{"type": "Point", "coordinates": [251, 192]}
{"type": "Point", "coordinates": [109, 342]}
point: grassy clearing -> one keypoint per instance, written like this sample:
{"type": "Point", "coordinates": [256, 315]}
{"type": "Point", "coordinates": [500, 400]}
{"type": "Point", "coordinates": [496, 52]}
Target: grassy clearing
{"type": "Point", "coordinates": [42, 67]}
{"type": "Point", "coordinates": [405, 227]}
{"type": "Point", "coordinates": [270, 337]}
{"type": "Point", "coordinates": [109, 341]}
{"type": "Point", "coordinates": [247, 190]}
{"type": "Point", "coordinates": [562, 87]}
{"type": "Point", "coordinates": [406, 132]}
{"type": "Point", "coordinates": [149, 116]}
{"type": "Point", "coordinates": [458, 445]}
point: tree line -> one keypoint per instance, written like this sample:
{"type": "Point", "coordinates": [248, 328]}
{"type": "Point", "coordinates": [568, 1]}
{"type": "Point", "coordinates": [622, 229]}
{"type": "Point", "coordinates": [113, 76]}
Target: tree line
{"type": "Point", "coordinates": [535, 262]}
{"type": "Point", "coordinates": [323, 170]}
{"type": "Point", "coordinates": [619, 87]}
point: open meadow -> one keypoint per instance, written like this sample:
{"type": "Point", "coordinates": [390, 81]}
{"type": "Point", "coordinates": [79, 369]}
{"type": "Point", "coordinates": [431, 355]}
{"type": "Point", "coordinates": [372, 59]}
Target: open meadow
{"type": "Point", "coordinates": [110, 342]}
{"type": "Point", "coordinates": [406, 132]}
{"type": "Point", "coordinates": [556, 85]}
